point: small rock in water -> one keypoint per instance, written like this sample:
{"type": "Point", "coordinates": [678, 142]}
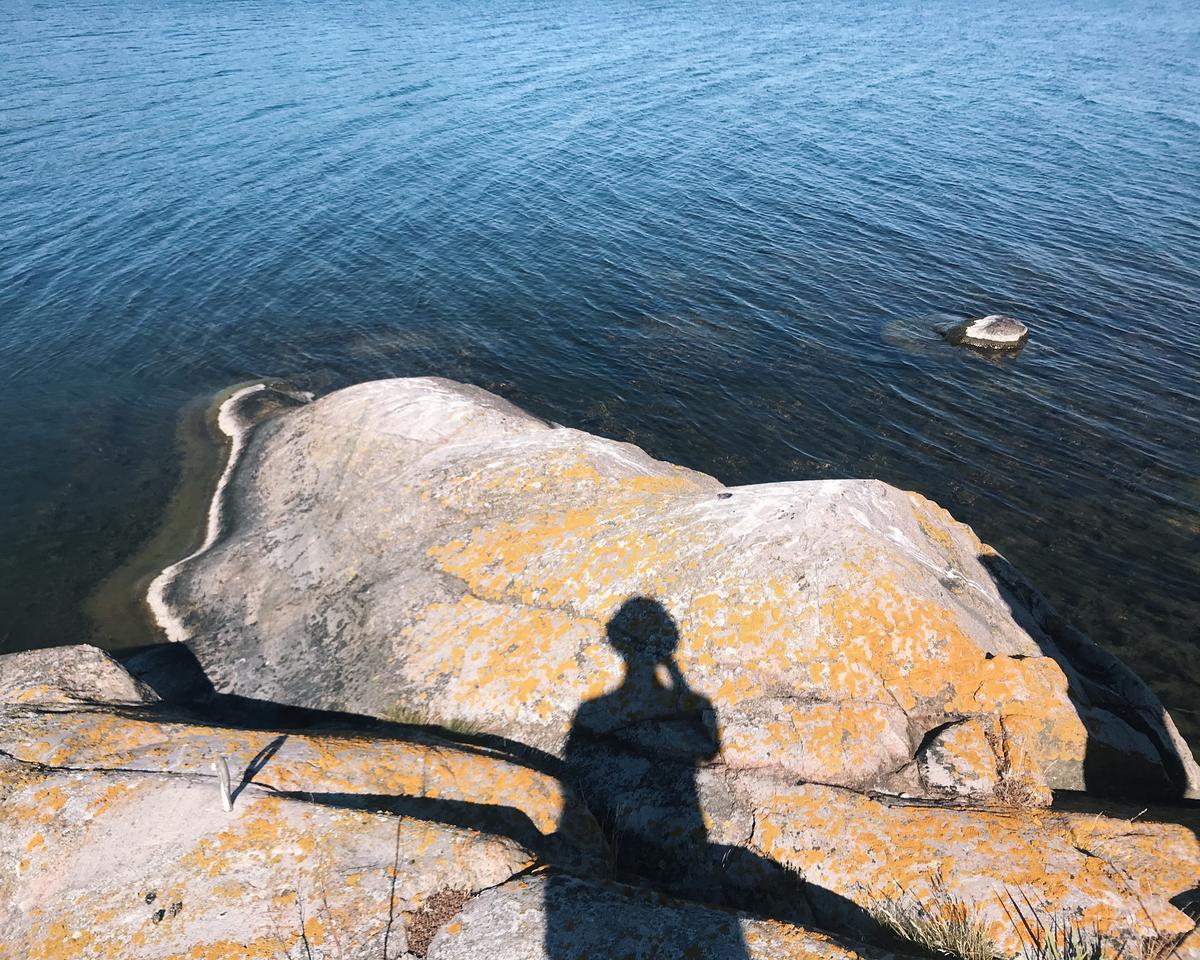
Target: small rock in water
{"type": "Point", "coordinates": [994, 332]}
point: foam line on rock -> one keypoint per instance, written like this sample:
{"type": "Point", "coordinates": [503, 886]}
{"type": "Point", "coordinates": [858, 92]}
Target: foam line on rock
{"type": "Point", "coordinates": [227, 422]}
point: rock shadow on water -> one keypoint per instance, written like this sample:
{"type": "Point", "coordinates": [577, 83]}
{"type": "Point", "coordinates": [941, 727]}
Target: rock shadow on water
{"type": "Point", "coordinates": [1133, 750]}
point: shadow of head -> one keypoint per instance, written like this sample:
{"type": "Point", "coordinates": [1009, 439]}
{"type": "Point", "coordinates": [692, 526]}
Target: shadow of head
{"type": "Point", "coordinates": [643, 633]}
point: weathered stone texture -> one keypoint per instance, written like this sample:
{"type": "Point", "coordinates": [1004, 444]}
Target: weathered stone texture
{"type": "Point", "coordinates": [109, 817]}
{"type": "Point", "coordinates": [115, 844]}
{"type": "Point", "coordinates": [764, 707]}
{"type": "Point", "coordinates": [424, 543]}
{"type": "Point", "coordinates": [558, 917]}
{"type": "Point", "coordinates": [68, 675]}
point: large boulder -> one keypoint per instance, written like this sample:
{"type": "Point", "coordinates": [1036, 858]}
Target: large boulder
{"type": "Point", "coordinates": [789, 699]}
{"type": "Point", "coordinates": [419, 545]}
{"type": "Point", "coordinates": [385, 840]}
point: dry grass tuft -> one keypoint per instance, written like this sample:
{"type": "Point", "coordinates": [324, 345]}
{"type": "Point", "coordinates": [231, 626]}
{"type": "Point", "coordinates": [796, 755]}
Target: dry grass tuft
{"type": "Point", "coordinates": [1016, 788]}
{"type": "Point", "coordinates": [425, 718]}
{"type": "Point", "coordinates": [1058, 937]}
{"type": "Point", "coordinates": [1017, 791]}
{"type": "Point", "coordinates": [1161, 946]}
{"type": "Point", "coordinates": [942, 926]}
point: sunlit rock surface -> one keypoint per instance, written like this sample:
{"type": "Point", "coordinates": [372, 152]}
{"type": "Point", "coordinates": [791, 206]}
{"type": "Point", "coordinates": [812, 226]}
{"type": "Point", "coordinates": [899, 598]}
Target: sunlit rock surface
{"type": "Point", "coordinates": [115, 843]}
{"type": "Point", "coordinates": [423, 545]}
{"type": "Point", "coordinates": [66, 675]}
{"type": "Point", "coordinates": [623, 703]}
{"type": "Point", "coordinates": [344, 836]}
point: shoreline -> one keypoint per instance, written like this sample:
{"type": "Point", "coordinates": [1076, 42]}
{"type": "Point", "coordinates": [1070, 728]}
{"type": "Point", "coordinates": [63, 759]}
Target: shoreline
{"type": "Point", "coordinates": [236, 432]}
{"type": "Point", "coordinates": [117, 617]}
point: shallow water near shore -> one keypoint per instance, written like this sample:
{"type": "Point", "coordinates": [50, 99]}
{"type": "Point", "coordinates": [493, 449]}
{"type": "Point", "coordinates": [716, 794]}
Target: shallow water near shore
{"type": "Point", "coordinates": [728, 238]}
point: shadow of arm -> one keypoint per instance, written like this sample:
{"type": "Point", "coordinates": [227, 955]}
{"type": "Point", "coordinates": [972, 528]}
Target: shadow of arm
{"type": "Point", "coordinates": [493, 819]}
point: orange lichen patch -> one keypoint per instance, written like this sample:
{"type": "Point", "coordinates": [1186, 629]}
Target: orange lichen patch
{"type": "Point", "coordinates": [753, 623]}
{"type": "Point", "coordinates": [496, 563]}
{"type": "Point", "coordinates": [845, 731]}
{"type": "Point", "coordinates": [269, 947]}
{"type": "Point", "coordinates": [512, 650]}
{"type": "Point", "coordinates": [44, 804]}
{"type": "Point", "coordinates": [1039, 721]}
{"type": "Point", "coordinates": [110, 794]}
{"type": "Point", "coordinates": [262, 845]}
{"type": "Point", "coordinates": [552, 471]}
{"type": "Point", "coordinates": [40, 691]}
{"type": "Point", "coordinates": [419, 770]}
{"type": "Point", "coordinates": [915, 647]}
{"type": "Point", "coordinates": [923, 658]}
{"type": "Point", "coordinates": [94, 925]}
{"type": "Point", "coordinates": [587, 556]}
{"type": "Point", "coordinates": [796, 943]}
{"type": "Point", "coordinates": [853, 845]}
{"type": "Point", "coordinates": [587, 560]}
{"type": "Point", "coordinates": [287, 899]}
{"type": "Point", "coordinates": [92, 738]}
{"type": "Point", "coordinates": [935, 531]}
{"type": "Point", "coordinates": [266, 835]}
{"type": "Point", "coordinates": [229, 890]}
{"type": "Point", "coordinates": [1129, 846]}
{"type": "Point", "coordinates": [59, 940]}
{"type": "Point", "coordinates": [936, 523]}
{"type": "Point", "coordinates": [505, 660]}
{"type": "Point", "coordinates": [314, 931]}
{"type": "Point", "coordinates": [310, 764]}
{"type": "Point", "coordinates": [843, 741]}
{"type": "Point", "coordinates": [969, 747]}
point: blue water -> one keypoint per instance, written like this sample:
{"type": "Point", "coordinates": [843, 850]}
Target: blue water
{"type": "Point", "coordinates": [724, 232]}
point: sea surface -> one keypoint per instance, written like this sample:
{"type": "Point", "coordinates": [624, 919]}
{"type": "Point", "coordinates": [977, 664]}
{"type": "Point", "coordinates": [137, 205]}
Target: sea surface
{"type": "Point", "coordinates": [725, 232]}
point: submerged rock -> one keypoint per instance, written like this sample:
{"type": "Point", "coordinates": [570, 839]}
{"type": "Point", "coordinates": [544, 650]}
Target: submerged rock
{"type": "Point", "coordinates": [994, 332]}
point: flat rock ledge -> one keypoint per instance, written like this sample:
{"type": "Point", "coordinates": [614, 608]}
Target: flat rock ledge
{"type": "Point", "coordinates": [493, 687]}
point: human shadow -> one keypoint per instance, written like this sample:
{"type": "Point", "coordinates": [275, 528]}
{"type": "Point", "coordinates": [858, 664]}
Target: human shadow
{"type": "Point", "coordinates": [637, 755]}
{"type": "Point", "coordinates": [633, 759]}
{"type": "Point", "coordinates": [652, 731]}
